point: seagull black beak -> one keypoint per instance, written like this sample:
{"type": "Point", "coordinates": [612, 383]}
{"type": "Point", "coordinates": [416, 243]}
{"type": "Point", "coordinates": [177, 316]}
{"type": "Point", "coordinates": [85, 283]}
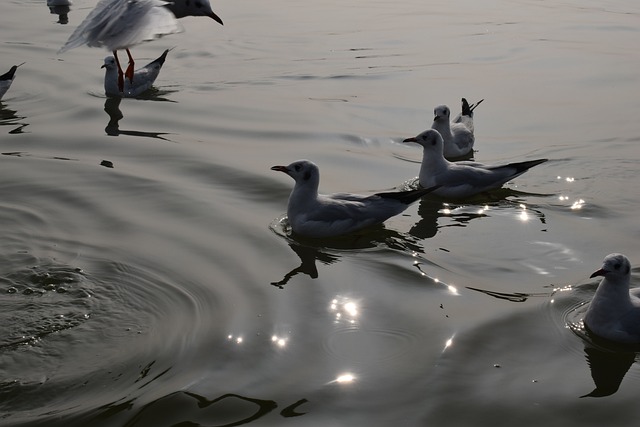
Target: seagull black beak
{"type": "Point", "coordinates": [280, 169]}
{"type": "Point", "coordinates": [103, 65]}
{"type": "Point", "coordinates": [412, 139]}
{"type": "Point", "coordinates": [600, 272]}
{"type": "Point", "coordinates": [216, 18]}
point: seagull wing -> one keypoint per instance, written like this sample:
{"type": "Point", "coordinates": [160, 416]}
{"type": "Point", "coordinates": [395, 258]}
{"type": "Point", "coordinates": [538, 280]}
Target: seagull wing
{"type": "Point", "coordinates": [465, 179]}
{"type": "Point", "coordinates": [342, 213]}
{"type": "Point", "coordinates": [144, 77]}
{"type": "Point", "coordinates": [120, 24]}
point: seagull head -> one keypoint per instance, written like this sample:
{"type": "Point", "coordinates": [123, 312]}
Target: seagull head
{"type": "Point", "coordinates": [182, 8]}
{"type": "Point", "coordinates": [302, 171]}
{"type": "Point", "coordinates": [441, 112]}
{"type": "Point", "coordinates": [430, 139]}
{"type": "Point", "coordinates": [614, 266]}
{"type": "Point", "coordinates": [109, 63]}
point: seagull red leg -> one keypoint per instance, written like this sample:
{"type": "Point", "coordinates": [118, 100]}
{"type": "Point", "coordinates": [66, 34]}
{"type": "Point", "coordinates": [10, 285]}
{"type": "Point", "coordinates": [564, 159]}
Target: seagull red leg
{"type": "Point", "coordinates": [129, 72]}
{"type": "Point", "coordinates": [120, 74]}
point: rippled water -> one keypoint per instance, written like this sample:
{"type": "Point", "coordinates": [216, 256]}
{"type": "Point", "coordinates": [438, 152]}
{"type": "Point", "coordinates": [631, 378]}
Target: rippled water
{"type": "Point", "coordinates": [146, 273]}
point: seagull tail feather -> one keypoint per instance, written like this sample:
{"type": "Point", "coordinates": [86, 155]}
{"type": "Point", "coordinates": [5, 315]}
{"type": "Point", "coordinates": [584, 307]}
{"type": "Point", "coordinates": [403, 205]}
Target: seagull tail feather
{"type": "Point", "coordinates": [467, 110]}
{"type": "Point", "coordinates": [524, 166]}
{"type": "Point", "coordinates": [409, 196]}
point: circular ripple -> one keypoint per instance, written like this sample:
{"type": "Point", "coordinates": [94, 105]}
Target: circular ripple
{"type": "Point", "coordinates": [89, 336]}
{"type": "Point", "coordinates": [41, 300]}
{"type": "Point", "coordinates": [367, 349]}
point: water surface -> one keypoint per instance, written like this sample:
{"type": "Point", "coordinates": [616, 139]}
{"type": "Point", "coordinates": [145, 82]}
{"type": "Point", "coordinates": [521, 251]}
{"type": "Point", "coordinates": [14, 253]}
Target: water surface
{"type": "Point", "coordinates": [147, 278]}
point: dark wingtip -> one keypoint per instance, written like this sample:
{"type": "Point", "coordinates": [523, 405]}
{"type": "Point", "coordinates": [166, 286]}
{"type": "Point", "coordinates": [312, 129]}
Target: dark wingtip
{"type": "Point", "coordinates": [160, 60]}
{"type": "Point", "coordinates": [164, 54]}
{"type": "Point", "coordinates": [524, 166]}
{"type": "Point", "coordinates": [467, 109]}
{"type": "Point", "coordinates": [409, 196]}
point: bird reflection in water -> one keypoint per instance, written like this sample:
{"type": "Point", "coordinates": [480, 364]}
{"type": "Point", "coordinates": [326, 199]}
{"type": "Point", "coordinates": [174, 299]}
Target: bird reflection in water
{"type": "Point", "coordinates": [196, 409]}
{"type": "Point", "coordinates": [608, 368]}
{"type": "Point", "coordinates": [112, 108]}
{"type": "Point", "coordinates": [9, 117]}
{"type": "Point", "coordinates": [60, 8]}
{"type": "Point", "coordinates": [436, 214]}
{"type": "Point", "coordinates": [308, 256]}
{"type": "Point", "coordinates": [511, 296]}
{"type": "Point", "coordinates": [311, 249]}
{"type": "Point", "coordinates": [608, 361]}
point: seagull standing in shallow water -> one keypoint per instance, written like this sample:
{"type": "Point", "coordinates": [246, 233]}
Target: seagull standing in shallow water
{"type": "Point", "coordinates": [317, 215]}
{"type": "Point", "coordinates": [461, 180]}
{"type": "Point", "coordinates": [457, 134]}
{"type": "Point", "coordinates": [122, 24]}
{"type": "Point", "coordinates": [143, 77]}
{"type": "Point", "coordinates": [614, 312]}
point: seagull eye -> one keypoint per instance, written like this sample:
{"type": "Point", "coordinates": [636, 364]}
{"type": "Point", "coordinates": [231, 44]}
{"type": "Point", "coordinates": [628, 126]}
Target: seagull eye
{"type": "Point", "coordinates": [297, 168]}
{"type": "Point", "coordinates": [617, 266]}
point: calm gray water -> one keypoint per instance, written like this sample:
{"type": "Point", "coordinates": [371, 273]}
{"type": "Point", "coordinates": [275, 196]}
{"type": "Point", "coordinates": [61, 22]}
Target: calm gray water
{"type": "Point", "coordinates": [165, 290]}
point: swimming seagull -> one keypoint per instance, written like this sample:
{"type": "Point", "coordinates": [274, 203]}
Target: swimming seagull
{"type": "Point", "coordinates": [457, 133]}
{"type": "Point", "coordinates": [122, 24]}
{"type": "Point", "coordinates": [317, 215]}
{"type": "Point", "coordinates": [614, 312]}
{"type": "Point", "coordinates": [143, 78]}
{"type": "Point", "coordinates": [6, 79]}
{"type": "Point", "coordinates": [461, 180]}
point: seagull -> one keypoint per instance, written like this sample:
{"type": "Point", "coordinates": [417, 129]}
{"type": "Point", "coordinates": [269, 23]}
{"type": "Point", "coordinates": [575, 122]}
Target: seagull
{"type": "Point", "coordinates": [318, 215]}
{"type": "Point", "coordinates": [122, 24]}
{"type": "Point", "coordinates": [6, 79]}
{"type": "Point", "coordinates": [614, 312]}
{"type": "Point", "coordinates": [457, 133]}
{"type": "Point", "coordinates": [461, 180]}
{"type": "Point", "coordinates": [143, 78]}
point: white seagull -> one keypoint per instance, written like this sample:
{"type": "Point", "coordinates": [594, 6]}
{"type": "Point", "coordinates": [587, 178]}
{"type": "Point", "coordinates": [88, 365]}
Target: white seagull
{"type": "Point", "coordinates": [318, 215]}
{"type": "Point", "coordinates": [461, 180]}
{"type": "Point", "coordinates": [143, 78]}
{"type": "Point", "coordinates": [457, 133]}
{"type": "Point", "coordinates": [614, 312]}
{"type": "Point", "coordinates": [122, 24]}
{"type": "Point", "coordinates": [6, 79]}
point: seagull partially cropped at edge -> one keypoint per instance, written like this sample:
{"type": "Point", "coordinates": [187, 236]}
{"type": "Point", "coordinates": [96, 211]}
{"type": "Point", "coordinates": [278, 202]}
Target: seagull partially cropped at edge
{"type": "Point", "coordinates": [458, 134]}
{"type": "Point", "coordinates": [143, 78]}
{"type": "Point", "coordinates": [318, 215]}
{"type": "Point", "coordinates": [614, 311]}
{"type": "Point", "coordinates": [7, 78]}
{"type": "Point", "coordinates": [122, 24]}
{"type": "Point", "coordinates": [461, 180]}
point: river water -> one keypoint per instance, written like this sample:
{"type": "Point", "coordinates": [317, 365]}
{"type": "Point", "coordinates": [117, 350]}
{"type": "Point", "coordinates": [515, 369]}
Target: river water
{"type": "Point", "coordinates": [147, 277]}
